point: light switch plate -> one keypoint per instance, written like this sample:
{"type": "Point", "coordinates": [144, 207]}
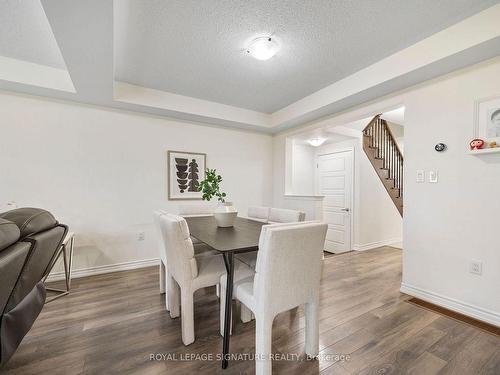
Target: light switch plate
{"type": "Point", "coordinates": [420, 176]}
{"type": "Point", "coordinates": [433, 176]}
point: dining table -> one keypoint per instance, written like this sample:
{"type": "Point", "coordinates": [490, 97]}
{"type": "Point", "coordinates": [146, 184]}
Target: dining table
{"type": "Point", "coordinates": [242, 237]}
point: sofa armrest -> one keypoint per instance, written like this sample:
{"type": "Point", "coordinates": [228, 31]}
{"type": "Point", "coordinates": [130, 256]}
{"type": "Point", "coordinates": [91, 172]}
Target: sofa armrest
{"type": "Point", "coordinates": [9, 233]}
{"type": "Point", "coordinates": [30, 220]}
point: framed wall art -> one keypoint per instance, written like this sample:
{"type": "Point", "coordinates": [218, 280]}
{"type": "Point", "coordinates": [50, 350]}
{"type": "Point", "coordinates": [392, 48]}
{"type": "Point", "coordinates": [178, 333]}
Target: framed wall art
{"type": "Point", "coordinates": [185, 171]}
{"type": "Point", "coordinates": [487, 119]}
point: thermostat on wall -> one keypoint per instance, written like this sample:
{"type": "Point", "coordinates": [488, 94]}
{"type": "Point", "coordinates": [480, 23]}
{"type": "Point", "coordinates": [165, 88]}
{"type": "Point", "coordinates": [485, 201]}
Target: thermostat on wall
{"type": "Point", "coordinates": [440, 147]}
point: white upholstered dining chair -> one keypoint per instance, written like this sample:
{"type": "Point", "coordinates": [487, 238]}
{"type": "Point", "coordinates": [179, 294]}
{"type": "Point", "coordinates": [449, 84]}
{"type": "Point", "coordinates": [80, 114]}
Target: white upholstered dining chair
{"type": "Point", "coordinates": [200, 249]}
{"type": "Point", "coordinates": [278, 215]}
{"type": "Point", "coordinates": [195, 210]}
{"type": "Point", "coordinates": [282, 215]}
{"type": "Point", "coordinates": [185, 272]}
{"type": "Point", "coordinates": [161, 251]}
{"type": "Point", "coordinates": [287, 275]}
{"type": "Point", "coordinates": [258, 214]}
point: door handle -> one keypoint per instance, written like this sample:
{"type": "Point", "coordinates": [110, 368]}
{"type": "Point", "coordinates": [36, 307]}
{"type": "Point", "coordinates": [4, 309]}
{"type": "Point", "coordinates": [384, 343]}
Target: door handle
{"type": "Point", "coordinates": [344, 209]}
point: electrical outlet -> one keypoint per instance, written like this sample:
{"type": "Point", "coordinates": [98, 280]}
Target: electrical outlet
{"type": "Point", "coordinates": [476, 267]}
{"type": "Point", "coordinates": [141, 236]}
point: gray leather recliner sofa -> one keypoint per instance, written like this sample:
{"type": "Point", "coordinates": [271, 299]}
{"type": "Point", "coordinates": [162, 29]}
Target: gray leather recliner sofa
{"type": "Point", "coordinates": [29, 241]}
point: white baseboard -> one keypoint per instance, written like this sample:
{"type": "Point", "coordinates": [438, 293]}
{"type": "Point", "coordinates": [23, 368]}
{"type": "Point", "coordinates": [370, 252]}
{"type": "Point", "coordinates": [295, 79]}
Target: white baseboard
{"type": "Point", "coordinates": [373, 245]}
{"type": "Point", "coordinates": [98, 270]}
{"type": "Point", "coordinates": [479, 313]}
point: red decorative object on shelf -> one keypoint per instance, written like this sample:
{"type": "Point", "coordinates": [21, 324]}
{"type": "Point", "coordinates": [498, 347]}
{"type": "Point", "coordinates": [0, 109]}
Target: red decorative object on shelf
{"type": "Point", "coordinates": [476, 144]}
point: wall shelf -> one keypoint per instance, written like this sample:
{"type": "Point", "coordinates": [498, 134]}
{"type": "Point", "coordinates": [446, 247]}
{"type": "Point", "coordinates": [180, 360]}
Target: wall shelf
{"type": "Point", "coordinates": [484, 151]}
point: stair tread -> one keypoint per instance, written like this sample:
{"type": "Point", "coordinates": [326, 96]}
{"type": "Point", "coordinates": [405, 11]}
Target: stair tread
{"type": "Point", "coordinates": [386, 174]}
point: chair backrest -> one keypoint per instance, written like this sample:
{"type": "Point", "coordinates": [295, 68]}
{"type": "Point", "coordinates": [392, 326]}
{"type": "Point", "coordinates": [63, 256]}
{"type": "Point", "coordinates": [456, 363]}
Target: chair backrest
{"type": "Point", "coordinates": [288, 269]}
{"type": "Point", "coordinates": [179, 248]}
{"type": "Point", "coordinates": [259, 213]}
{"type": "Point", "coordinates": [161, 244]}
{"type": "Point", "coordinates": [192, 210]}
{"type": "Point", "coordinates": [282, 215]}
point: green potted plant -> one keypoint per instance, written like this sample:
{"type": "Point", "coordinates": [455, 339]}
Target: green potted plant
{"type": "Point", "coordinates": [225, 213]}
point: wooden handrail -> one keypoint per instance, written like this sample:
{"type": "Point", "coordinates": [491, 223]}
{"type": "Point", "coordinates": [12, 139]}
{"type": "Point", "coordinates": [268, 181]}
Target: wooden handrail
{"type": "Point", "coordinates": [392, 136]}
{"type": "Point", "coordinates": [371, 121]}
{"type": "Point", "coordinates": [386, 157]}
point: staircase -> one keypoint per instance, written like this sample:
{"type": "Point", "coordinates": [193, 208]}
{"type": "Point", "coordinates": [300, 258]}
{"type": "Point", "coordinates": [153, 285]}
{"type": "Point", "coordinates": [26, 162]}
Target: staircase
{"type": "Point", "coordinates": [386, 157]}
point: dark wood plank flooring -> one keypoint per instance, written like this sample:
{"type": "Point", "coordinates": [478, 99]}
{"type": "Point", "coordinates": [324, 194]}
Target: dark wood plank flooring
{"type": "Point", "coordinates": [113, 323]}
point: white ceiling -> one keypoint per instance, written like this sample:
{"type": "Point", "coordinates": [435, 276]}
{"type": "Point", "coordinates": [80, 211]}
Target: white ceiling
{"type": "Point", "coordinates": [25, 34]}
{"type": "Point", "coordinates": [303, 138]}
{"type": "Point", "coordinates": [349, 130]}
{"type": "Point", "coordinates": [197, 48]}
{"type": "Point", "coordinates": [186, 59]}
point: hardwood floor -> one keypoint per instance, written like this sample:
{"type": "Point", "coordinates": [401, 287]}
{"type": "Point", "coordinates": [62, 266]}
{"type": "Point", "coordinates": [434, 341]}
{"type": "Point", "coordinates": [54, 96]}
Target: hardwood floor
{"type": "Point", "coordinates": [111, 324]}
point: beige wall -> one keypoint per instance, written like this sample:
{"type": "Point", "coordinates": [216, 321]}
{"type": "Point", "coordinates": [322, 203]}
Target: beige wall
{"type": "Point", "coordinates": [103, 172]}
{"type": "Point", "coordinates": [448, 224]}
{"type": "Point", "coordinates": [377, 222]}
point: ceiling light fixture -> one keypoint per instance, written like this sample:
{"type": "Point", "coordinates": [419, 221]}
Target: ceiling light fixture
{"type": "Point", "coordinates": [263, 48]}
{"type": "Point", "coordinates": [317, 141]}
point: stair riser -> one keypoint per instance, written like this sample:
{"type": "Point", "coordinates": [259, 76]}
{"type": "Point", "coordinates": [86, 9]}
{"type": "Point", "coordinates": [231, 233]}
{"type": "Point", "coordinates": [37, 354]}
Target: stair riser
{"type": "Point", "coordinates": [384, 174]}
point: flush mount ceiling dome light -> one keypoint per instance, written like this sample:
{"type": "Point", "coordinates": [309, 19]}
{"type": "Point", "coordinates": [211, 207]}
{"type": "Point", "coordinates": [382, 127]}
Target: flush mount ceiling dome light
{"type": "Point", "coordinates": [317, 141]}
{"type": "Point", "coordinates": [263, 48]}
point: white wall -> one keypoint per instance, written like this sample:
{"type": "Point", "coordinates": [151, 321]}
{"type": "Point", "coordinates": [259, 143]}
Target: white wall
{"type": "Point", "coordinates": [103, 172]}
{"type": "Point", "coordinates": [284, 192]}
{"type": "Point", "coordinates": [376, 220]}
{"type": "Point", "coordinates": [447, 224]}
{"type": "Point", "coordinates": [398, 132]}
{"type": "Point", "coordinates": [303, 171]}
{"type": "Point", "coordinates": [450, 223]}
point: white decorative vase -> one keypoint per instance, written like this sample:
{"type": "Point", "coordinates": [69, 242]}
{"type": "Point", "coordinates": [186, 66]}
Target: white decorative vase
{"type": "Point", "coordinates": [225, 214]}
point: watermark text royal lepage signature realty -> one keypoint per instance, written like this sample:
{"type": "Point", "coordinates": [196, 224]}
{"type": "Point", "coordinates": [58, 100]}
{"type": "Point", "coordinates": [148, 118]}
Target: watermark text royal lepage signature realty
{"type": "Point", "coordinates": [243, 357]}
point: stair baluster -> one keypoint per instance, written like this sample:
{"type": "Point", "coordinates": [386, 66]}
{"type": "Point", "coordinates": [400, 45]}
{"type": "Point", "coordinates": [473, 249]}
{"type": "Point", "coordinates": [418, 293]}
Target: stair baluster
{"type": "Point", "coordinates": [386, 157]}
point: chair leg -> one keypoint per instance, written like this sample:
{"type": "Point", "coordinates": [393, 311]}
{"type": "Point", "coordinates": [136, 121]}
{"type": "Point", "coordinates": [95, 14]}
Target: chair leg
{"type": "Point", "coordinates": [222, 311]}
{"type": "Point", "coordinates": [162, 277]}
{"type": "Point", "coordinates": [246, 314]}
{"type": "Point", "coordinates": [312, 328]}
{"type": "Point", "coordinates": [172, 296]}
{"type": "Point", "coordinates": [187, 316]}
{"type": "Point", "coordinates": [263, 347]}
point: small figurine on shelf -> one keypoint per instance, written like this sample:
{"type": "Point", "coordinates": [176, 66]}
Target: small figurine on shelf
{"type": "Point", "coordinates": [493, 144]}
{"type": "Point", "coordinates": [476, 144]}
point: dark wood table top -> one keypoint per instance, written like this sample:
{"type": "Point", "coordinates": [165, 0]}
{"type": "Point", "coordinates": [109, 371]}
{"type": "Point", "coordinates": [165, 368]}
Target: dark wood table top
{"type": "Point", "coordinates": [242, 237]}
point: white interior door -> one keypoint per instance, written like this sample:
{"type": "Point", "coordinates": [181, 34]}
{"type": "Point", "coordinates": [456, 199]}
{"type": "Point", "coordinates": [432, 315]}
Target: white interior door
{"type": "Point", "coordinates": [335, 183]}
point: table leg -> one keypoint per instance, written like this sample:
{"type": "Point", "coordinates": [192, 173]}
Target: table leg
{"type": "Point", "coordinates": [229, 261]}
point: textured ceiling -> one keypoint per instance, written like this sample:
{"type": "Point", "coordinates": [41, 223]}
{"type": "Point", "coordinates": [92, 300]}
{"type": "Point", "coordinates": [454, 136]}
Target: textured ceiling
{"type": "Point", "coordinates": [196, 48]}
{"type": "Point", "coordinates": [332, 134]}
{"type": "Point", "coordinates": [26, 33]}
